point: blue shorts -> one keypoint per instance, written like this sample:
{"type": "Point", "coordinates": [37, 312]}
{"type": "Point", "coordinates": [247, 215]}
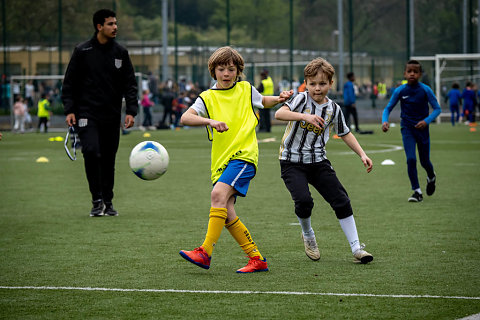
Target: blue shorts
{"type": "Point", "coordinates": [238, 174]}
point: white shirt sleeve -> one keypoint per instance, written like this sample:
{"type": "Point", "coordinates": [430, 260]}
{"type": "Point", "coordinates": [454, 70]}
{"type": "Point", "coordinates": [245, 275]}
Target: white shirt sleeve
{"type": "Point", "coordinates": [257, 98]}
{"type": "Point", "coordinates": [296, 101]}
{"type": "Point", "coordinates": [199, 107]}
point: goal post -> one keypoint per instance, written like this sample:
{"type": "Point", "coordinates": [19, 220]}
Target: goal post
{"type": "Point", "coordinates": [451, 68]}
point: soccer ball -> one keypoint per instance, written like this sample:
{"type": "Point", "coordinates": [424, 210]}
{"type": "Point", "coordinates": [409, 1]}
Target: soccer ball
{"type": "Point", "coordinates": [149, 160]}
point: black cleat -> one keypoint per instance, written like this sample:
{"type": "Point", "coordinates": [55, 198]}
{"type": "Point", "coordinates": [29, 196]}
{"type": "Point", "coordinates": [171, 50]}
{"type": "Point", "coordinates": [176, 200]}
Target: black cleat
{"type": "Point", "coordinates": [109, 210]}
{"type": "Point", "coordinates": [431, 185]}
{"type": "Point", "coordinates": [415, 197]}
{"type": "Point", "coordinates": [98, 207]}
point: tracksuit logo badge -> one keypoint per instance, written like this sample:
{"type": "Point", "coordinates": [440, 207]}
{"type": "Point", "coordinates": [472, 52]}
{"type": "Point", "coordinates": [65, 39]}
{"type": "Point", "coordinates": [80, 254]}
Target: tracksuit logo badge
{"type": "Point", "coordinates": [118, 63]}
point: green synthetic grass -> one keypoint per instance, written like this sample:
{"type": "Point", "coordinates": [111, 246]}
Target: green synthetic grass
{"type": "Point", "coordinates": [421, 250]}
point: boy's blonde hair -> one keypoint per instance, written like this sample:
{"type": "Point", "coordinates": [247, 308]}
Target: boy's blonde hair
{"type": "Point", "coordinates": [222, 56]}
{"type": "Point", "coordinates": [318, 65]}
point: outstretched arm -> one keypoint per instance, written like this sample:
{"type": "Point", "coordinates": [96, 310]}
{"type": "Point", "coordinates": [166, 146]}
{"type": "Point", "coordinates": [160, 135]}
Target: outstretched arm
{"type": "Point", "coordinates": [191, 118]}
{"type": "Point", "coordinates": [352, 142]}
{"type": "Point", "coordinates": [285, 114]}
{"type": "Point", "coordinates": [386, 112]}
{"type": "Point", "coordinates": [271, 101]}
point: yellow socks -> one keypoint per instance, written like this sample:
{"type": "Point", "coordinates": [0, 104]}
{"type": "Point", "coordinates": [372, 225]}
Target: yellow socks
{"type": "Point", "coordinates": [241, 234]}
{"type": "Point", "coordinates": [236, 228]}
{"type": "Point", "coordinates": [216, 223]}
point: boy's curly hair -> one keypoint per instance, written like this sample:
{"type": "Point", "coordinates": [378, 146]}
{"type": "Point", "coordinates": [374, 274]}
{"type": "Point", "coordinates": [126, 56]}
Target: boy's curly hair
{"type": "Point", "coordinates": [222, 56]}
{"type": "Point", "coordinates": [318, 65]}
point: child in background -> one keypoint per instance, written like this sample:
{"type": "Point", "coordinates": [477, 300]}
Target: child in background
{"type": "Point", "coordinates": [179, 106]}
{"type": "Point", "coordinates": [44, 112]}
{"type": "Point", "coordinates": [455, 98]}
{"type": "Point", "coordinates": [303, 160]}
{"type": "Point", "coordinates": [414, 98]}
{"type": "Point", "coordinates": [227, 109]}
{"type": "Point", "coordinates": [19, 110]}
{"type": "Point", "coordinates": [469, 102]}
{"type": "Point", "coordinates": [147, 106]}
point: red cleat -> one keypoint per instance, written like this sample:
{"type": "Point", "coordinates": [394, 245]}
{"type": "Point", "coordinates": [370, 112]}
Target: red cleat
{"type": "Point", "coordinates": [254, 265]}
{"type": "Point", "coordinates": [197, 256]}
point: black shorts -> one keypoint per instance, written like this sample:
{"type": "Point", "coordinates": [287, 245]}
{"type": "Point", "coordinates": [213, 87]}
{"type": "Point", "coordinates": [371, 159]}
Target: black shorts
{"type": "Point", "coordinates": [297, 177]}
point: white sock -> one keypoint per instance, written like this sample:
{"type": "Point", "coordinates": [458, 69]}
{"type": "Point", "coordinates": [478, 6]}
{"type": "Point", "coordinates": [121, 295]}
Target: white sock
{"type": "Point", "coordinates": [418, 190]}
{"type": "Point", "coordinates": [350, 230]}
{"type": "Point", "coordinates": [306, 225]}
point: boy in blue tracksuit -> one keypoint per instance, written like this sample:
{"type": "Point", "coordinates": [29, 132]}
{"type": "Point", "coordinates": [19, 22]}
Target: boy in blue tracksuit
{"type": "Point", "coordinates": [414, 99]}
{"type": "Point", "coordinates": [349, 99]}
{"type": "Point", "coordinates": [455, 98]}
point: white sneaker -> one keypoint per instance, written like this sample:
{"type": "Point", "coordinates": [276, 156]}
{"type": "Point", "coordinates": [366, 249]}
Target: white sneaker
{"type": "Point", "coordinates": [362, 256]}
{"type": "Point", "coordinates": [311, 248]}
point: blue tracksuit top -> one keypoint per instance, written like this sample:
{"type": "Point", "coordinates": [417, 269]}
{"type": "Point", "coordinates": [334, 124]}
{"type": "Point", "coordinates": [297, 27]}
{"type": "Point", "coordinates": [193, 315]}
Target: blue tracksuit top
{"type": "Point", "coordinates": [469, 99]}
{"type": "Point", "coordinates": [454, 96]}
{"type": "Point", "coordinates": [414, 102]}
{"type": "Point", "coordinates": [348, 93]}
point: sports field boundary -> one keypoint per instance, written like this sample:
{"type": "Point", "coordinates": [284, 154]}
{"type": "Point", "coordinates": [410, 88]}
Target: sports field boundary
{"type": "Point", "coordinates": [299, 293]}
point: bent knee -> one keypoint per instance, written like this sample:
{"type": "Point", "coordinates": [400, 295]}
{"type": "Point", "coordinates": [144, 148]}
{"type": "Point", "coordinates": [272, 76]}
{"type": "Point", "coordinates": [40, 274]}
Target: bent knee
{"type": "Point", "coordinates": [303, 209]}
{"type": "Point", "coordinates": [218, 199]}
{"type": "Point", "coordinates": [343, 210]}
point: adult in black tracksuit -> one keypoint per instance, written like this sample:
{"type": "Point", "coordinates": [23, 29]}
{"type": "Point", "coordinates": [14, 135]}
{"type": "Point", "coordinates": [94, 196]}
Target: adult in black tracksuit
{"type": "Point", "coordinates": [99, 75]}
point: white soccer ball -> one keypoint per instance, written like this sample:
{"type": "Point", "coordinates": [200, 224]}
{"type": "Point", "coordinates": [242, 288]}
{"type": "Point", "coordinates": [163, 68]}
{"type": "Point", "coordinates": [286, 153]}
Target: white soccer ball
{"type": "Point", "coordinates": [149, 160]}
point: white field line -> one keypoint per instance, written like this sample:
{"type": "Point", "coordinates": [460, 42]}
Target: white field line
{"type": "Point", "coordinates": [241, 292]}
{"type": "Point", "coordinates": [388, 148]}
{"type": "Point", "coordinates": [472, 317]}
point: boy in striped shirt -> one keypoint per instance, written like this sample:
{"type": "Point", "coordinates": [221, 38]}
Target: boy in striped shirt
{"type": "Point", "coordinates": [303, 160]}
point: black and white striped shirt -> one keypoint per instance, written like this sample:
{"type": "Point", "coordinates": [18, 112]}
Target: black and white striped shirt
{"type": "Point", "coordinates": [303, 142]}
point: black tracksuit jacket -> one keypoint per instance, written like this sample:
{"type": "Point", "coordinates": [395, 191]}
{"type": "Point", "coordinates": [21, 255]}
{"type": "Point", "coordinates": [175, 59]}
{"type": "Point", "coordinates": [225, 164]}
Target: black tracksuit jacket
{"type": "Point", "coordinates": [97, 78]}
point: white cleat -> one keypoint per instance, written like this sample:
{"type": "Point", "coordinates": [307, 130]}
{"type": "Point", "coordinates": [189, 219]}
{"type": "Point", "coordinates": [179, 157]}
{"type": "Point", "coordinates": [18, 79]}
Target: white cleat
{"type": "Point", "coordinates": [311, 248]}
{"type": "Point", "coordinates": [362, 256]}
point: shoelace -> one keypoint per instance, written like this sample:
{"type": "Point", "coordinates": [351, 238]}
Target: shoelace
{"type": "Point", "coordinates": [311, 243]}
{"type": "Point", "coordinates": [202, 253]}
{"type": "Point", "coordinates": [362, 246]}
{"type": "Point", "coordinates": [253, 261]}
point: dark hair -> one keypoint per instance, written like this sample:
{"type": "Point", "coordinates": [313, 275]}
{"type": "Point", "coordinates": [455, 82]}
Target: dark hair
{"type": "Point", "coordinates": [414, 62]}
{"type": "Point", "coordinates": [455, 85]}
{"type": "Point", "coordinates": [350, 75]}
{"type": "Point", "coordinates": [100, 16]}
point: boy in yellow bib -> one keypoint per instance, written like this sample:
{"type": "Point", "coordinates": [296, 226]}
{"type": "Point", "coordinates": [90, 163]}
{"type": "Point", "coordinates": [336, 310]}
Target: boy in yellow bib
{"type": "Point", "coordinates": [227, 109]}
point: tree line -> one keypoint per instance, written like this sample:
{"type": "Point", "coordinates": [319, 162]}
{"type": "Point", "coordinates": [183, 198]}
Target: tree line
{"type": "Point", "coordinates": [378, 26]}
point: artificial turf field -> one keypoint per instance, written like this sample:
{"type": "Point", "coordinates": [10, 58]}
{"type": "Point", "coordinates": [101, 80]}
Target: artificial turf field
{"type": "Point", "coordinates": [58, 263]}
